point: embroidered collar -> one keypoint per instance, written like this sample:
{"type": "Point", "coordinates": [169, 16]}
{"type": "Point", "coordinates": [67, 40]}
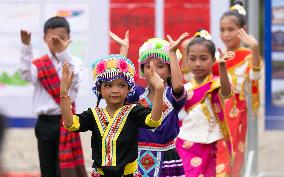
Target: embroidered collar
{"type": "Point", "coordinates": [206, 80]}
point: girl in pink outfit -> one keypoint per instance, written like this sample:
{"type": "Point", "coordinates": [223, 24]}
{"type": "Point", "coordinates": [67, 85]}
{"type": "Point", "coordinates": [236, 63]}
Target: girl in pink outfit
{"type": "Point", "coordinates": [203, 123]}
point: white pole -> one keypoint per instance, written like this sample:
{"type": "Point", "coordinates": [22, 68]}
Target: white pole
{"type": "Point", "coordinates": [252, 144]}
{"type": "Point", "coordinates": [159, 19]}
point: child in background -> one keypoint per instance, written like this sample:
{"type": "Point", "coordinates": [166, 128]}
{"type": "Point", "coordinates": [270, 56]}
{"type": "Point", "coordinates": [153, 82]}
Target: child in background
{"type": "Point", "coordinates": [157, 153]}
{"type": "Point", "coordinates": [60, 151]}
{"type": "Point", "coordinates": [115, 128]}
{"type": "Point", "coordinates": [183, 61]}
{"type": "Point", "coordinates": [204, 123]}
{"type": "Point", "coordinates": [244, 73]}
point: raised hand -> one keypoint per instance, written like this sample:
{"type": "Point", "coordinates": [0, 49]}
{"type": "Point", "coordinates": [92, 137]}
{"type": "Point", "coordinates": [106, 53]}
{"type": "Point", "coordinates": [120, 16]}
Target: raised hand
{"type": "Point", "coordinates": [25, 37]}
{"type": "Point", "coordinates": [224, 56]}
{"type": "Point", "coordinates": [66, 79]}
{"type": "Point", "coordinates": [247, 39]}
{"type": "Point", "coordinates": [122, 42]}
{"type": "Point", "coordinates": [175, 44]}
{"type": "Point", "coordinates": [58, 44]}
{"type": "Point", "coordinates": [154, 79]}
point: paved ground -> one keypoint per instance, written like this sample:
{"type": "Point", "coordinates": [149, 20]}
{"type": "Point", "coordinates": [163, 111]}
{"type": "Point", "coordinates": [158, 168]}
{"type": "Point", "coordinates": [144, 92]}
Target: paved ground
{"type": "Point", "coordinates": [20, 152]}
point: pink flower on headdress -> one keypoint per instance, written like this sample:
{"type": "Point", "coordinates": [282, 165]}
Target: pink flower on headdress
{"type": "Point", "coordinates": [122, 65]}
{"type": "Point", "coordinates": [101, 66]}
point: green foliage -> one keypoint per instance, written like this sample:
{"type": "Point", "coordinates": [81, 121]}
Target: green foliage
{"type": "Point", "coordinates": [15, 79]}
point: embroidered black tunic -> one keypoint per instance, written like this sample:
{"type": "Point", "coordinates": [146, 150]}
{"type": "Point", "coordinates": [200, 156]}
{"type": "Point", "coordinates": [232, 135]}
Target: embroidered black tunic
{"type": "Point", "coordinates": [114, 140]}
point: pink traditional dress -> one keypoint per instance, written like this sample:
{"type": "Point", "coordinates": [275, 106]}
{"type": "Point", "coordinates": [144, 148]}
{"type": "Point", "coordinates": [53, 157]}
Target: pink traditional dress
{"type": "Point", "coordinates": [203, 124]}
{"type": "Point", "coordinates": [245, 81]}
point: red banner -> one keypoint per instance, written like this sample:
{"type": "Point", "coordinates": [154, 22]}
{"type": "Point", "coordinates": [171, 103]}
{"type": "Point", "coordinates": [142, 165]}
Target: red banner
{"type": "Point", "coordinates": [187, 1]}
{"type": "Point", "coordinates": [186, 16]}
{"type": "Point", "coordinates": [138, 18]}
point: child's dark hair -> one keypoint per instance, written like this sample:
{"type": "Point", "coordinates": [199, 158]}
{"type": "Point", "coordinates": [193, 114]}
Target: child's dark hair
{"type": "Point", "coordinates": [99, 95]}
{"type": "Point", "coordinates": [241, 19]}
{"type": "Point", "coordinates": [99, 99]}
{"type": "Point", "coordinates": [200, 40]}
{"type": "Point", "coordinates": [56, 22]}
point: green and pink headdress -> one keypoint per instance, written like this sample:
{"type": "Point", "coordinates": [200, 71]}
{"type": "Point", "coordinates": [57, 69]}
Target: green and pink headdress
{"type": "Point", "coordinates": [154, 48]}
{"type": "Point", "coordinates": [113, 67]}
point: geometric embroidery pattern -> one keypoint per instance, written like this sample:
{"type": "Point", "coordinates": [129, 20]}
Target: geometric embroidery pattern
{"type": "Point", "coordinates": [111, 131]}
{"type": "Point", "coordinates": [148, 162]}
{"type": "Point", "coordinates": [167, 106]}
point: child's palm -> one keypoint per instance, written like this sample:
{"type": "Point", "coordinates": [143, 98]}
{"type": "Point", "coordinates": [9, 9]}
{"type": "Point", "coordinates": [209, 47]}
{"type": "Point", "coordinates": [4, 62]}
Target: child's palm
{"type": "Point", "coordinates": [67, 77]}
{"type": "Point", "coordinates": [247, 39]}
{"type": "Point", "coordinates": [225, 56]}
{"type": "Point", "coordinates": [26, 37]}
{"type": "Point", "coordinates": [175, 44]}
{"type": "Point", "coordinates": [58, 44]}
{"type": "Point", "coordinates": [122, 42]}
{"type": "Point", "coordinates": [154, 79]}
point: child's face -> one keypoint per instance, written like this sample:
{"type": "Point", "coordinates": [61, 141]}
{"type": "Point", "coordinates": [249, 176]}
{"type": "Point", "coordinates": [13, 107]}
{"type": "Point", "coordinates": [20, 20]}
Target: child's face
{"type": "Point", "coordinates": [200, 61]}
{"type": "Point", "coordinates": [229, 31]}
{"type": "Point", "coordinates": [161, 68]}
{"type": "Point", "coordinates": [60, 32]}
{"type": "Point", "coordinates": [114, 92]}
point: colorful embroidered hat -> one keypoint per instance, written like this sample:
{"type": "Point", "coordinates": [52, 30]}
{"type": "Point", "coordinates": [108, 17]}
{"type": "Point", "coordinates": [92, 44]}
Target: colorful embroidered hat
{"type": "Point", "coordinates": [155, 48]}
{"type": "Point", "coordinates": [240, 9]}
{"type": "Point", "coordinates": [113, 67]}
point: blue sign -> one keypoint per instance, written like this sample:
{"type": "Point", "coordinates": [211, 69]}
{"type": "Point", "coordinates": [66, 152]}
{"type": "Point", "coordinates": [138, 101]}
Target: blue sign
{"type": "Point", "coordinates": [274, 61]}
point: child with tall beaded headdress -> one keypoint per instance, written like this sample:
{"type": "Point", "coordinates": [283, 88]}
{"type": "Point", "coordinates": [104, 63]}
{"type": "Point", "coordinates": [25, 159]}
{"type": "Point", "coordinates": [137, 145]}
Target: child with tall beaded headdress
{"type": "Point", "coordinates": [114, 128]}
{"type": "Point", "coordinates": [157, 153]}
{"type": "Point", "coordinates": [244, 72]}
{"type": "Point", "coordinates": [204, 122]}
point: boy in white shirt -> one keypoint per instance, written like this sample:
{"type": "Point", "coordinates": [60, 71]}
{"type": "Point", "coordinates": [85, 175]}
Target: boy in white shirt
{"type": "Point", "coordinates": [57, 157]}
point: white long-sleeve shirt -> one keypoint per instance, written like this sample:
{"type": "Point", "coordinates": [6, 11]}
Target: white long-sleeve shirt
{"type": "Point", "coordinates": [43, 103]}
